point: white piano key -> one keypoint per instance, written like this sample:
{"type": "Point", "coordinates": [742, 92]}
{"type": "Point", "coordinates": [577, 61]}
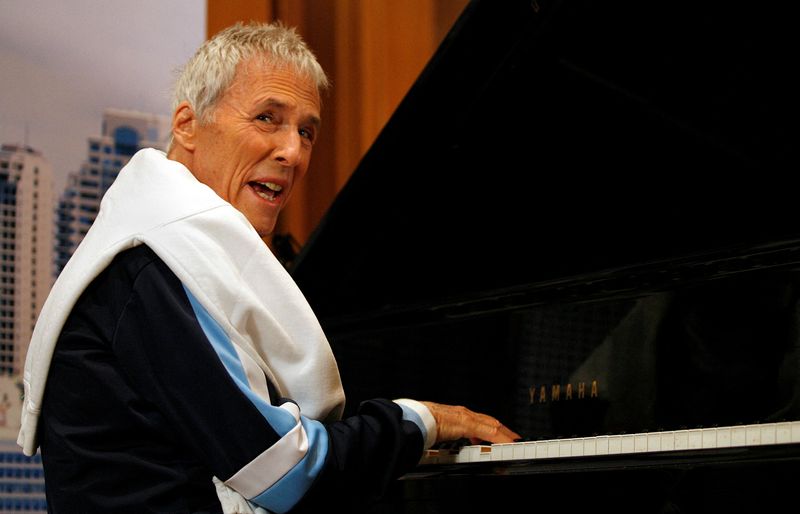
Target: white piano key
{"type": "Point", "coordinates": [541, 449]}
{"type": "Point", "coordinates": [502, 451]}
{"type": "Point", "coordinates": [753, 435]}
{"type": "Point", "coordinates": [553, 448]}
{"type": "Point", "coordinates": [709, 438]}
{"type": "Point", "coordinates": [464, 454]}
{"type": "Point", "coordinates": [783, 432]}
{"type": "Point", "coordinates": [768, 433]}
{"type": "Point", "coordinates": [695, 439]}
{"type": "Point", "coordinates": [614, 444]}
{"type": "Point", "coordinates": [469, 453]}
{"type": "Point", "coordinates": [565, 448]}
{"type": "Point", "coordinates": [681, 439]}
{"type": "Point", "coordinates": [654, 442]}
{"type": "Point", "coordinates": [738, 436]}
{"type": "Point", "coordinates": [484, 453]}
{"type": "Point", "coordinates": [627, 443]}
{"type": "Point", "coordinates": [796, 431]}
{"type": "Point", "coordinates": [723, 437]}
{"type": "Point", "coordinates": [590, 446]}
{"type": "Point", "coordinates": [667, 441]}
{"type": "Point", "coordinates": [640, 443]}
{"type": "Point", "coordinates": [518, 451]}
{"type": "Point", "coordinates": [530, 449]}
{"type": "Point", "coordinates": [602, 444]}
{"type": "Point", "coordinates": [577, 447]}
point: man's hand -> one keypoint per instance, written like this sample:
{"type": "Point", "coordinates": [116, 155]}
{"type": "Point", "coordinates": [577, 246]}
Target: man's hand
{"type": "Point", "coordinates": [456, 422]}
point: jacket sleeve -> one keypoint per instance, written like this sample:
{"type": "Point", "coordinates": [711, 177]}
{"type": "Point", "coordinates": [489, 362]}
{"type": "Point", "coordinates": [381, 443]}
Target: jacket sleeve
{"type": "Point", "coordinates": [259, 445]}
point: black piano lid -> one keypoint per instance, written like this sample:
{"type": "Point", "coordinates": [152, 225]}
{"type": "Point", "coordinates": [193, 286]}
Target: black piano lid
{"type": "Point", "coordinates": [549, 145]}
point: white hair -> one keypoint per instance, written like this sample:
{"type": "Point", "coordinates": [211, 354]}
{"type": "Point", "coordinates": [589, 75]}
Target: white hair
{"type": "Point", "coordinates": [209, 73]}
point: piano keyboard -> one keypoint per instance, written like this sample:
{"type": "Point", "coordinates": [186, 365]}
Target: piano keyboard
{"type": "Point", "coordinates": [621, 444]}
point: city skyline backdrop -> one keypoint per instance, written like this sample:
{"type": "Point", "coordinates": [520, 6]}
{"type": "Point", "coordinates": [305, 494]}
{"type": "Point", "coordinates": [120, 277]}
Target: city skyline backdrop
{"type": "Point", "coordinates": [66, 70]}
{"type": "Point", "coordinates": [64, 63]}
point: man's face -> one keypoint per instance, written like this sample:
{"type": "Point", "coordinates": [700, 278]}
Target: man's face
{"type": "Point", "coordinates": [258, 144]}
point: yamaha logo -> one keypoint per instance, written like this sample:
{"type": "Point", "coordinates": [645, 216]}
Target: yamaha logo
{"type": "Point", "coordinates": [557, 392]}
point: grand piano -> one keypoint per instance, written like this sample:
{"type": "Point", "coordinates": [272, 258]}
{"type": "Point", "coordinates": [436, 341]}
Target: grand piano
{"type": "Point", "coordinates": [581, 219]}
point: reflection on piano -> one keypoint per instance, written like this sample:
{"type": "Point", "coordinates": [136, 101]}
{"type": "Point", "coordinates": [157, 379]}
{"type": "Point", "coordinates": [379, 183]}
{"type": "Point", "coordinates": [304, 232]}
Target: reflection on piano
{"type": "Point", "coordinates": [580, 220]}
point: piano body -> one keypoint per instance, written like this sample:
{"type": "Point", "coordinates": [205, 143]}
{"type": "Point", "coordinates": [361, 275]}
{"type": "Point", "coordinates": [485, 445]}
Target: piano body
{"type": "Point", "coordinates": [580, 220]}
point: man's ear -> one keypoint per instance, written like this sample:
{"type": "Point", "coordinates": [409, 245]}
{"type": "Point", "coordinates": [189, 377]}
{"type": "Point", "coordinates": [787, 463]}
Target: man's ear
{"type": "Point", "coordinates": [184, 126]}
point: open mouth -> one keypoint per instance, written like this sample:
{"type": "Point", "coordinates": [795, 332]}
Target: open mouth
{"type": "Point", "coordinates": [267, 190]}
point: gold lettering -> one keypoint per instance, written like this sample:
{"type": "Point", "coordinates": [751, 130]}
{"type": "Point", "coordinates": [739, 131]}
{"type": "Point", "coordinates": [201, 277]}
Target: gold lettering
{"type": "Point", "coordinates": [571, 391]}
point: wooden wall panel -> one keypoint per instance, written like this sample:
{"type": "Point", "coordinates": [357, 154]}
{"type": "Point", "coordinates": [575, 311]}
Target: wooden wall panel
{"type": "Point", "coordinates": [312, 196]}
{"type": "Point", "coordinates": [396, 41]}
{"type": "Point", "coordinates": [223, 13]}
{"type": "Point", "coordinates": [373, 51]}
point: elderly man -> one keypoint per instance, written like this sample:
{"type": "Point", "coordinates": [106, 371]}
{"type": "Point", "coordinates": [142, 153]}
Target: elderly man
{"type": "Point", "coordinates": [175, 366]}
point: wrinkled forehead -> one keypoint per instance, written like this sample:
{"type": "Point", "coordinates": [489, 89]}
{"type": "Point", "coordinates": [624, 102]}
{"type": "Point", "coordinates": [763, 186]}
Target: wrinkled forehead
{"type": "Point", "coordinates": [258, 74]}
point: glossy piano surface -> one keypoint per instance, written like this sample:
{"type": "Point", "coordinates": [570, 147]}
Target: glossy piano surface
{"type": "Point", "coordinates": [581, 219]}
{"type": "Point", "coordinates": [570, 138]}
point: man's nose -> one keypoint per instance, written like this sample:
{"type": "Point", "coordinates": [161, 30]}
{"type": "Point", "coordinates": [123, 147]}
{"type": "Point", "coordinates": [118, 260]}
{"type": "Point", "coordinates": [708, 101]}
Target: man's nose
{"type": "Point", "coordinates": [288, 145]}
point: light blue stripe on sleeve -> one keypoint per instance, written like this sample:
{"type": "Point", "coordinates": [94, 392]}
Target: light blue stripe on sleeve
{"type": "Point", "coordinates": [279, 419]}
{"type": "Point", "coordinates": [286, 492]}
{"type": "Point", "coordinates": [289, 490]}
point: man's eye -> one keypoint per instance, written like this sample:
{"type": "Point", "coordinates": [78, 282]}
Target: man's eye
{"type": "Point", "coordinates": [265, 117]}
{"type": "Point", "coordinates": [307, 134]}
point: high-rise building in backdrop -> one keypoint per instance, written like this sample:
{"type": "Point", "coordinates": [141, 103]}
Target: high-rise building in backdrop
{"type": "Point", "coordinates": [123, 133]}
{"type": "Point", "coordinates": [26, 248]}
{"type": "Point", "coordinates": [26, 275]}
{"type": "Point", "coordinates": [35, 248]}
